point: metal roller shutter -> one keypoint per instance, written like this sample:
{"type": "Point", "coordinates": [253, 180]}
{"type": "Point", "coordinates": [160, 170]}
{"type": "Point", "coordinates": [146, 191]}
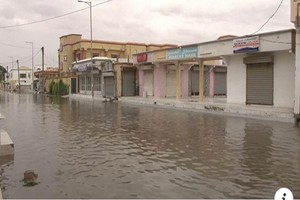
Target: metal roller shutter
{"type": "Point", "coordinates": [128, 83]}
{"type": "Point", "coordinates": [195, 82]}
{"type": "Point", "coordinates": [206, 81]}
{"type": "Point", "coordinates": [148, 82]}
{"type": "Point", "coordinates": [109, 85]}
{"type": "Point", "coordinates": [220, 83]}
{"type": "Point", "coordinates": [171, 83]}
{"type": "Point", "coordinates": [259, 84]}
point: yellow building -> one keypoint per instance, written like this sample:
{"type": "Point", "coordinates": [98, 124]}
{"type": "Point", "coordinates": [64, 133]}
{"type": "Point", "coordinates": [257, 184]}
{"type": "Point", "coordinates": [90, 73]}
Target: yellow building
{"type": "Point", "coordinates": [73, 48]}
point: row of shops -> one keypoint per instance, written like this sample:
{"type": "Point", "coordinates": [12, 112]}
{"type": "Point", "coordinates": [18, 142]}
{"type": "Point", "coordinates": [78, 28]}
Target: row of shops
{"type": "Point", "coordinates": [115, 79]}
{"type": "Point", "coordinates": [110, 78]}
{"type": "Point", "coordinates": [256, 69]}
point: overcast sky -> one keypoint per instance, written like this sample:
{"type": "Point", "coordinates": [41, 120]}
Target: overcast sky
{"type": "Point", "coordinates": [146, 21]}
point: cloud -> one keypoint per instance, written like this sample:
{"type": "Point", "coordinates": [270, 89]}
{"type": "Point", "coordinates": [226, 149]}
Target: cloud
{"type": "Point", "coordinates": [155, 21]}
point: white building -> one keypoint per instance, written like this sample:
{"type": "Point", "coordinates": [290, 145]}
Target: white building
{"type": "Point", "coordinates": [25, 74]}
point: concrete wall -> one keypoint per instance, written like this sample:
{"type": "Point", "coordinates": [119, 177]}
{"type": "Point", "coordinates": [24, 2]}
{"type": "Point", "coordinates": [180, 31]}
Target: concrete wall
{"type": "Point", "coordinates": [236, 79]}
{"type": "Point", "coordinates": [284, 79]}
{"type": "Point", "coordinates": [160, 81]}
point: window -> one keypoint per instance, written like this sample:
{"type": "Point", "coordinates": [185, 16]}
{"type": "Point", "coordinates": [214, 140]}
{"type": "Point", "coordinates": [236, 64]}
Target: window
{"type": "Point", "coordinates": [97, 83]}
{"type": "Point", "coordinates": [95, 54]}
{"type": "Point", "coordinates": [77, 56]}
{"type": "Point", "coordinates": [82, 83]}
{"type": "Point", "coordinates": [88, 83]}
{"type": "Point", "coordinates": [65, 58]}
{"type": "Point", "coordinates": [22, 75]}
{"type": "Point", "coordinates": [114, 56]}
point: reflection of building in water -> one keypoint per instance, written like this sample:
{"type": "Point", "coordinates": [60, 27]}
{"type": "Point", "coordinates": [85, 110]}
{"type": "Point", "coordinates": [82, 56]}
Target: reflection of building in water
{"type": "Point", "coordinates": [257, 152]}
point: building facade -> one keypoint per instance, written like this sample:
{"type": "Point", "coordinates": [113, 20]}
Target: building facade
{"type": "Point", "coordinates": [260, 70]}
{"type": "Point", "coordinates": [25, 80]}
{"type": "Point", "coordinates": [123, 75]}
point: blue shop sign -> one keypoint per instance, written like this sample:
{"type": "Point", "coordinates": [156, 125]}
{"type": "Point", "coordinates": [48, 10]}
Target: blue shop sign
{"type": "Point", "coordinates": [183, 52]}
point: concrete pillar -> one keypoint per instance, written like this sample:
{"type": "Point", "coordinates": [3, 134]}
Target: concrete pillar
{"type": "Point", "coordinates": [201, 80]}
{"type": "Point", "coordinates": [297, 75]}
{"type": "Point", "coordinates": [118, 70]}
{"type": "Point", "coordinates": [178, 80]}
{"type": "Point", "coordinates": [141, 81]}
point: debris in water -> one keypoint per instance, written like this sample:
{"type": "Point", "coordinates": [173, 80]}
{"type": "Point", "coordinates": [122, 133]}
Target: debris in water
{"type": "Point", "coordinates": [30, 178]}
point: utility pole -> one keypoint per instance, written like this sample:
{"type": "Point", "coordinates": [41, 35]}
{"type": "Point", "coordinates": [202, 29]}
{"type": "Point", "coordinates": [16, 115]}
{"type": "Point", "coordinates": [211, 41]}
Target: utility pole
{"type": "Point", "coordinates": [32, 64]}
{"type": "Point", "coordinates": [91, 50]}
{"type": "Point", "coordinates": [43, 81]}
{"type": "Point", "coordinates": [19, 76]}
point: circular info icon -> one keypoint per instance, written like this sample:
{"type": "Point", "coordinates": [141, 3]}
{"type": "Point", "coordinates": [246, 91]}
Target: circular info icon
{"type": "Point", "coordinates": [283, 194]}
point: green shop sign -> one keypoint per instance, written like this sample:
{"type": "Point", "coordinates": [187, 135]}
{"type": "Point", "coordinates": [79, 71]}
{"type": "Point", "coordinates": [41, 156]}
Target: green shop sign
{"type": "Point", "coordinates": [181, 53]}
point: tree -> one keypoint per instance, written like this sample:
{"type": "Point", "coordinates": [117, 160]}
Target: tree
{"type": "Point", "coordinates": [3, 71]}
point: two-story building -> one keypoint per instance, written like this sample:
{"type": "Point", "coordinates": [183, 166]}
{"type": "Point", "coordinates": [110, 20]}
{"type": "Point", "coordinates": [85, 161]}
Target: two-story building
{"type": "Point", "coordinates": [25, 81]}
{"type": "Point", "coordinates": [124, 77]}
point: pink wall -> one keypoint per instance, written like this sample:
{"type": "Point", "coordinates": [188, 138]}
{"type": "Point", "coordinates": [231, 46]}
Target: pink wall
{"type": "Point", "coordinates": [185, 81]}
{"type": "Point", "coordinates": [141, 81]}
{"type": "Point", "coordinates": [160, 81]}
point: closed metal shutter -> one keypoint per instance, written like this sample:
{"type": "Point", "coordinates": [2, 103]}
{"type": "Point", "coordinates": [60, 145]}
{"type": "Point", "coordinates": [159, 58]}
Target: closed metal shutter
{"type": "Point", "coordinates": [148, 82]}
{"type": "Point", "coordinates": [128, 83]}
{"type": "Point", "coordinates": [109, 85]}
{"type": "Point", "coordinates": [194, 82]}
{"type": "Point", "coordinates": [259, 84]}
{"type": "Point", "coordinates": [220, 83]}
{"type": "Point", "coordinates": [171, 83]}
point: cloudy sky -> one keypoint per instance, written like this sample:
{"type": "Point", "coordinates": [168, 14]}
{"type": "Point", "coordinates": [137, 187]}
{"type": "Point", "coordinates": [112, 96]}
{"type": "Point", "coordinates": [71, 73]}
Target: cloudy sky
{"type": "Point", "coordinates": [146, 21]}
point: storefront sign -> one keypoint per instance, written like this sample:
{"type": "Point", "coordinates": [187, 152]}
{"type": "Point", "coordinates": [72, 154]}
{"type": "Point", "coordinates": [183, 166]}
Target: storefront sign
{"type": "Point", "coordinates": [142, 57]}
{"type": "Point", "coordinates": [80, 67]}
{"type": "Point", "coordinates": [181, 53]}
{"type": "Point", "coordinates": [243, 45]}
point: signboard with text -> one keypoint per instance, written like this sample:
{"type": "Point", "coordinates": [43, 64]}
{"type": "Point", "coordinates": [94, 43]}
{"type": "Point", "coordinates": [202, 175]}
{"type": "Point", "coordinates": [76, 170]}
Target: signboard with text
{"type": "Point", "coordinates": [181, 53]}
{"type": "Point", "coordinates": [244, 45]}
{"type": "Point", "coordinates": [142, 57]}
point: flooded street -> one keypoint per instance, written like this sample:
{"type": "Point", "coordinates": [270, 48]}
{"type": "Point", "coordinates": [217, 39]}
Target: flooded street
{"type": "Point", "coordinates": [85, 149]}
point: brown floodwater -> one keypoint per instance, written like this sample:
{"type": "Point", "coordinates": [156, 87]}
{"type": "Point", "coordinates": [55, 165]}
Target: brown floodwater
{"type": "Point", "coordinates": [92, 149]}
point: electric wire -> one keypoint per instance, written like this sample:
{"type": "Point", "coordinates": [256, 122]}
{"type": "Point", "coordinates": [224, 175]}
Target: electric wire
{"type": "Point", "coordinates": [51, 18]}
{"type": "Point", "coordinates": [10, 45]}
{"type": "Point", "coordinates": [269, 18]}
{"type": "Point", "coordinates": [24, 59]}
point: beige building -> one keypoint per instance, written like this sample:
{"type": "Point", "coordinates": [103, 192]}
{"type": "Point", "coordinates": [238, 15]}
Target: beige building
{"type": "Point", "coordinates": [74, 48]}
{"type": "Point", "coordinates": [122, 81]}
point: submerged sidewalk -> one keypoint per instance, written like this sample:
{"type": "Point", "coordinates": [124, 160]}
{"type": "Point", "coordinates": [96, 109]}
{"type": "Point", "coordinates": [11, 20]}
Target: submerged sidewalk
{"type": "Point", "coordinates": [210, 105]}
{"type": "Point", "coordinates": [219, 106]}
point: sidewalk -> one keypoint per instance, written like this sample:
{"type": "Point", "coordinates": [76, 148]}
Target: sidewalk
{"type": "Point", "coordinates": [220, 107]}
{"type": "Point", "coordinates": [217, 105]}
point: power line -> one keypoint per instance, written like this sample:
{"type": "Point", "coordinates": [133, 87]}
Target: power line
{"type": "Point", "coordinates": [10, 45]}
{"type": "Point", "coordinates": [269, 17]}
{"type": "Point", "coordinates": [51, 18]}
{"type": "Point", "coordinates": [51, 59]}
{"type": "Point", "coordinates": [24, 59]}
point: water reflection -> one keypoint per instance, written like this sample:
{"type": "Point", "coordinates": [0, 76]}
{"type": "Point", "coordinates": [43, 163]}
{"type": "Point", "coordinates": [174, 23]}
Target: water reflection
{"type": "Point", "coordinates": [86, 149]}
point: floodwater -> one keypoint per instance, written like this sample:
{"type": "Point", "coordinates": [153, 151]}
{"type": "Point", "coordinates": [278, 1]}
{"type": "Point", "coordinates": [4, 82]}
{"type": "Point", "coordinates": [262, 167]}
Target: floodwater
{"type": "Point", "coordinates": [86, 149]}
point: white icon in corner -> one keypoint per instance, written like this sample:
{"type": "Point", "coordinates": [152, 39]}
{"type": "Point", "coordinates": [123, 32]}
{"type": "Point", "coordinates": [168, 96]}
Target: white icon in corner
{"type": "Point", "coordinates": [283, 194]}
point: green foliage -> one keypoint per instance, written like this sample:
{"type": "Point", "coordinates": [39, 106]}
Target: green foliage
{"type": "Point", "coordinates": [58, 88]}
